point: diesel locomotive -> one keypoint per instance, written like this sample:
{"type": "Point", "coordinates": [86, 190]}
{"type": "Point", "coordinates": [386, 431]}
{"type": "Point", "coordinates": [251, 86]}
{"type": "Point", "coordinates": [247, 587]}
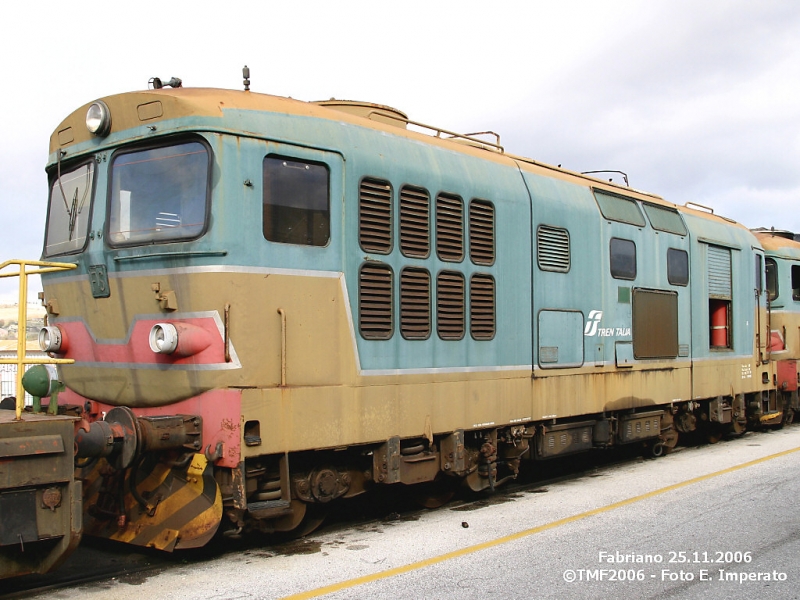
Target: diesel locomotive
{"type": "Point", "coordinates": [280, 304]}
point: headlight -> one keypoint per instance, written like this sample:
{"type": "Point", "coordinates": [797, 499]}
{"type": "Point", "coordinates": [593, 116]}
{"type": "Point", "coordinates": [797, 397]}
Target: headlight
{"type": "Point", "coordinates": [98, 118]}
{"type": "Point", "coordinates": [163, 338]}
{"type": "Point", "coordinates": [51, 339]}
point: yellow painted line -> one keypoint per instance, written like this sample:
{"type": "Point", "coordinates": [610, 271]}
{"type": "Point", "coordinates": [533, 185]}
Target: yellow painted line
{"type": "Point", "coordinates": [350, 583]}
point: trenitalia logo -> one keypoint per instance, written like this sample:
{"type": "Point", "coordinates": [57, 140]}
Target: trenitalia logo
{"type": "Point", "coordinates": [592, 322]}
{"type": "Point", "coordinates": [593, 327]}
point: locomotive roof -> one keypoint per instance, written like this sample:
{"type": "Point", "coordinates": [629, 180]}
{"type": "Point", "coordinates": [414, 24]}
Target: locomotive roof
{"type": "Point", "coordinates": [136, 109]}
{"type": "Point", "coordinates": [776, 242]}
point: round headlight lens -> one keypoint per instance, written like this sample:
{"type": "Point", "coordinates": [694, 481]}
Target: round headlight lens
{"type": "Point", "coordinates": [163, 338]}
{"type": "Point", "coordinates": [98, 118]}
{"type": "Point", "coordinates": [50, 339]}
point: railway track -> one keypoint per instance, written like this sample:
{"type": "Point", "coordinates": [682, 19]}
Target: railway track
{"type": "Point", "coordinates": [99, 562]}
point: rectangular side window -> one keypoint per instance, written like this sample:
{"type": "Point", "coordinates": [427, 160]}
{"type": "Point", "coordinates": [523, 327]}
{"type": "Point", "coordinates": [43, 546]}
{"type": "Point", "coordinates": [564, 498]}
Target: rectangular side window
{"type": "Point", "coordinates": [772, 278]}
{"type": "Point", "coordinates": [795, 282]}
{"type": "Point", "coordinates": [619, 208]}
{"type": "Point", "coordinates": [296, 202]}
{"type": "Point", "coordinates": [677, 266]}
{"type": "Point", "coordinates": [663, 218]}
{"type": "Point", "coordinates": [623, 259]}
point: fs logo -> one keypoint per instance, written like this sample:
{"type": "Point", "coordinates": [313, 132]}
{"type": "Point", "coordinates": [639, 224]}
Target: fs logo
{"type": "Point", "coordinates": [592, 322]}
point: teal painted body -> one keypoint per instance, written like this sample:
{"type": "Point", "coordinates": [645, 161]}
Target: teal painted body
{"type": "Point", "coordinates": [523, 201]}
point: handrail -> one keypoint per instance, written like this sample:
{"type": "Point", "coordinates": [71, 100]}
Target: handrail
{"type": "Point", "coordinates": [22, 319]}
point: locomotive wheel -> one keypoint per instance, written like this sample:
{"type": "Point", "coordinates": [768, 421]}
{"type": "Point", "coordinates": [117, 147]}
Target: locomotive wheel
{"type": "Point", "coordinates": [433, 494]}
{"type": "Point", "coordinates": [304, 520]}
{"type": "Point", "coordinates": [669, 440]}
{"type": "Point", "coordinates": [714, 433]}
{"type": "Point", "coordinates": [738, 428]}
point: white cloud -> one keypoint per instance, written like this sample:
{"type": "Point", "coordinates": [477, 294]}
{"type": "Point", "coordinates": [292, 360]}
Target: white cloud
{"type": "Point", "coordinates": [696, 101]}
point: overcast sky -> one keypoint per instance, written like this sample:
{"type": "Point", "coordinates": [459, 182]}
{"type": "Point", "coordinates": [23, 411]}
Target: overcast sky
{"type": "Point", "coordinates": [695, 100]}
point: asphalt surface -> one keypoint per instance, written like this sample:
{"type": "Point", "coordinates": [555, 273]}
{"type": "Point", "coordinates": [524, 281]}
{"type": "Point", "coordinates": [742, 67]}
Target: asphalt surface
{"type": "Point", "coordinates": [718, 521]}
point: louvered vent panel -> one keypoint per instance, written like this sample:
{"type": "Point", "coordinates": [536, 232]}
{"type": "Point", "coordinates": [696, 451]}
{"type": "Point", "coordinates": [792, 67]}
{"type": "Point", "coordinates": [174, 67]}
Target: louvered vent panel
{"type": "Point", "coordinates": [482, 307]}
{"type": "Point", "coordinates": [415, 232]}
{"type": "Point", "coordinates": [375, 301]}
{"type": "Point", "coordinates": [450, 305]}
{"type": "Point", "coordinates": [375, 216]}
{"type": "Point", "coordinates": [450, 228]}
{"type": "Point", "coordinates": [719, 272]}
{"type": "Point", "coordinates": [481, 232]}
{"type": "Point", "coordinates": [552, 249]}
{"type": "Point", "coordinates": [415, 304]}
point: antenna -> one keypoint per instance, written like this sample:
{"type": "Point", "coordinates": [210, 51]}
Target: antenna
{"type": "Point", "coordinates": [624, 175]}
{"type": "Point", "coordinates": [246, 75]}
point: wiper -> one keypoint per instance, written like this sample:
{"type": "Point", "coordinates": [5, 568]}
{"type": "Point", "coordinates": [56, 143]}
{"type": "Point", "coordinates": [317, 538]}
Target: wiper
{"type": "Point", "coordinates": [74, 210]}
{"type": "Point", "coordinates": [72, 213]}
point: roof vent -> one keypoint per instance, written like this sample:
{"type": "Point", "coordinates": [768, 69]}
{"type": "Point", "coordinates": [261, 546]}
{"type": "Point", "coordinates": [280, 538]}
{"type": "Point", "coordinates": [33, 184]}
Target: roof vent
{"type": "Point", "coordinates": [368, 110]}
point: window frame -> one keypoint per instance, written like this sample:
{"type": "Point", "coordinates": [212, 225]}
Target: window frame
{"type": "Point", "coordinates": [296, 159]}
{"type": "Point", "coordinates": [617, 219]}
{"type": "Point", "coordinates": [161, 143]}
{"type": "Point", "coordinates": [54, 177]}
{"type": "Point", "coordinates": [670, 275]}
{"type": "Point", "coordinates": [619, 275]}
{"type": "Point", "coordinates": [771, 278]}
{"type": "Point", "coordinates": [666, 209]}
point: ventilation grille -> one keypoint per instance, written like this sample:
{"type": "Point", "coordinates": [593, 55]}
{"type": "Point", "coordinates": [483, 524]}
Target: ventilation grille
{"type": "Point", "coordinates": [552, 248]}
{"type": "Point", "coordinates": [375, 216]}
{"type": "Point", "coordinates": [450, 228]}
{"type": "Point", "coordinates": [415, 304]}
{"type": "Point", "coordinates": [481, 232]}
{"type": "Point", "coordinates": [481, 307]}
{"type": "Point", "coordinates": [415, 232]}
{"type": "Point", "coordinates": [450, 305]}
{"type": "Point", "coordinates": [375, 301]}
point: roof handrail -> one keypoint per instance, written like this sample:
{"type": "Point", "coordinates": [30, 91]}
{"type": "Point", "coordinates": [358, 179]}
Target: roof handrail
{"type": "Point", "coordinates": [702, 207]}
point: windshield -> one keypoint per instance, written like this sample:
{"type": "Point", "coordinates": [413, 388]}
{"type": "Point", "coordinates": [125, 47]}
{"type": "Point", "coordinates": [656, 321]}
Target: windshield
{"type": "Point", "coordinates": [68, 213]}
{"type": "Point", "coordinates": [158, 194]}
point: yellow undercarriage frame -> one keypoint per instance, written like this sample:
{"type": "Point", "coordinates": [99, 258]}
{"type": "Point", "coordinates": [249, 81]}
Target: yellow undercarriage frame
{"type": "Point", "coordinates": [172, 507]}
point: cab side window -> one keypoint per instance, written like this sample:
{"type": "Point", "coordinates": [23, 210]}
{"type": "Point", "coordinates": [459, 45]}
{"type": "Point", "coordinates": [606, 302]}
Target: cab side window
{"type": "Point", "coordinates": [296, 205]}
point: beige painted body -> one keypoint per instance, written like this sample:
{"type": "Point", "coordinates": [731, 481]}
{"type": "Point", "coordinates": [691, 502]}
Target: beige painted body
{"type": "Point", "coordinates": [327, 401]}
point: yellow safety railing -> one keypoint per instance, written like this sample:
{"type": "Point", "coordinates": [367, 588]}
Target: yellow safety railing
{"type": "Point", "coordinates": [28, 267]}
